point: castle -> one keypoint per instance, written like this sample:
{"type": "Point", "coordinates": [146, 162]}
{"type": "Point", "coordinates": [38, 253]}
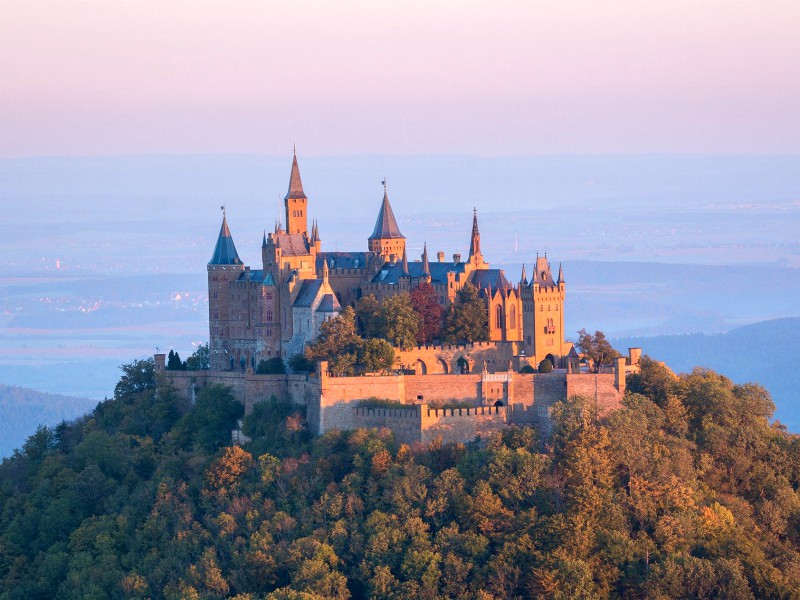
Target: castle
{"type": "Point", "coordinates": [257, 314]}
{"type": "Point", "coordinates": [275, 311]}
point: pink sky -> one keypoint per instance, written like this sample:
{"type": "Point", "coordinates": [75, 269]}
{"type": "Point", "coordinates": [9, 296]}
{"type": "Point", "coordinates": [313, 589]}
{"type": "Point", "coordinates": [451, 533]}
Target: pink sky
{"type": "Point", "coordinates": [494, 78]}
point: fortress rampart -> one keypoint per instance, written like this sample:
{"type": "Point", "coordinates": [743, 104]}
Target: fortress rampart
{"type": "Point", "coordinates": [488, 400]}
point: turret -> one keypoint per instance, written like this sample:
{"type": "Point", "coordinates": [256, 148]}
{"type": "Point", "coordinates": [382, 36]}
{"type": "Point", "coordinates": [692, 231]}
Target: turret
{"type": "Point", "coordinates": [426, 269]}
{"type": "Point", "coordinates": [386, 239]}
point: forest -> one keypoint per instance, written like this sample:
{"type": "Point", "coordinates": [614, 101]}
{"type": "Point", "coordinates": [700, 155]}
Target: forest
{"type": "Point", "coordinates": [688, 490]}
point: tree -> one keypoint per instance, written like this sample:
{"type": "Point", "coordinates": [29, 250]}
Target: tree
{"type": "Point", "coordinates": [368, 317]}
{"type": "Point", "coordinates": [138, 376]}
{"type": "Point", "coordinates": [468, 319]}
{"type": "Point", "coordinates": [596, 348]}
{"type": "Point", "coordinates": [338, 343]}
{"type": "Point", "coordinates": [425, 301]}
{"type": "Point", "coordinates": [377, 355]}
{"type": "Point", "coordinates": [298, 363]}
{"type": "Point", "coordinates": [401, 321]}
{"type": "Point", "coordinates": [271, 366]}
{"type": "Point", "coordinates": [545, 366]}
{"type": "Point", "coordinates": [174, 361]}
{"type": "Point", "coordinates": [199, 360]}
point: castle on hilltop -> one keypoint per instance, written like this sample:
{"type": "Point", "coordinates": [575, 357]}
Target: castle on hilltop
{"type": "Point", "coordinates": [454, 392]}
{"type": "Point", "coordinates": [276, 310]}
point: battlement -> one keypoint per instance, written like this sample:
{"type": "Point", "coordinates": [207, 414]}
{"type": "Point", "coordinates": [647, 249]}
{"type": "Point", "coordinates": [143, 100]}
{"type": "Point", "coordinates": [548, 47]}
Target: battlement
{"type": "Point", "coordinates": [474, 411]}
{"type": "Point", "coordinates": [387, 413]}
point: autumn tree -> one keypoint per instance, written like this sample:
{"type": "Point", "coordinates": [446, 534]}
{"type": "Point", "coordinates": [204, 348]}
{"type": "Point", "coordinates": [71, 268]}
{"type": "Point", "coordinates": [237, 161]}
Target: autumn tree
{"type": "Point", "coordinates": [425, 301]}
{"type": "Point", "coordinates": [596, 348]}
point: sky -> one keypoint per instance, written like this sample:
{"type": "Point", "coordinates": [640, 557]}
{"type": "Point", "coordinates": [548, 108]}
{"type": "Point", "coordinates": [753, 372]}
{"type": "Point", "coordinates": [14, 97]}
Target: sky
{"type": "Point", "coordinates": [106, 77]}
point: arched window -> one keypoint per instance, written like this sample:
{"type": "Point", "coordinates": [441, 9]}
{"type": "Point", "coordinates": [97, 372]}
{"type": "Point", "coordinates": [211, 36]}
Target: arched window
{"type": "Point", "coordinates": [268, 316]}
{"type": "Point", "coordinates": [513, 317]}
{"type": "Point", "coordinates": [498, 317]}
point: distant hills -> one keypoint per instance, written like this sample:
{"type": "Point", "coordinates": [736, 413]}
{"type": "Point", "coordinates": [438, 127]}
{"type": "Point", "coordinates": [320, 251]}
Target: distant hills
{"type": "Point", "coordinates": [764, 353]}
{"type": "Point", "coordinates": [22, 410]}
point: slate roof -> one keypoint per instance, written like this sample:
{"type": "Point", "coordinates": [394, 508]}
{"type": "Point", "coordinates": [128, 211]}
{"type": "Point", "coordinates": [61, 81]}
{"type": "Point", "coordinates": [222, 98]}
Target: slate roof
{"type": "Point", "coordinates": [329, 304]}
{"type": "Point", "coordinates": [292, 244]}
{"type": "Point", "coordinates": [386, 225]}
{"type": "Point", "coordinates": [484, 278]}
{"type": "Point", "coordinates": [225, 250]}
{"type": "Point", "coordinates": [438, 271]}
{"type": "Point", "coordinates": [343, 260]}
{"type": "Point", "coordinates": [308, 292]}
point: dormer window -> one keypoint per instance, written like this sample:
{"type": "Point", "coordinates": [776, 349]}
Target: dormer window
{"type": "Point", "coordinates": [544, 275]}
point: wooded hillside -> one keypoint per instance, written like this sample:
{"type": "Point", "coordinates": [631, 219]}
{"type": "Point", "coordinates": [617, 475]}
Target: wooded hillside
{"type": "Point", "coordinates": [688, 491]}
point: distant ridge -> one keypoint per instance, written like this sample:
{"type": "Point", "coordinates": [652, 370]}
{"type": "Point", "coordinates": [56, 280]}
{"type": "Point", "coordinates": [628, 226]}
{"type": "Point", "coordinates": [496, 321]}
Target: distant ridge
{"type": "Point", "coordinates": [22, 410]}
{"type": "Point", "coordinates": [765, 353]}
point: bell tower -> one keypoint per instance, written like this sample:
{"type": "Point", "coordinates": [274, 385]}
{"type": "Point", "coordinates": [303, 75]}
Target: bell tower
{"type": "Point", "coordinates": [296, 203]}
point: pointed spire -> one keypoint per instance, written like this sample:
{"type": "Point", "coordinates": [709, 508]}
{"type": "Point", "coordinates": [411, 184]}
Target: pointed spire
{"type": "Point", "coordinates": [426, 269]}
{"type": "Point", "coordinates": [225, 250]}
{"type": "Point", "coordinates": [560, 274]}
{"type": "Point", "coordinates": [325, 271]}
{"type": "Point", "coordinates": [264, 240]}
{"type": "Point", "coordinates": [475, 242]}
{"type": "Point", "coordinates": [386, 225]}
{"type": "Point", "coordinates": [295, 184]}
{"type": "Point", "coordinates": [405, 263]}
{"type": "Point", "coordinates": [523, 279]}
{"type": "Point", "coordinates": [314, 234]}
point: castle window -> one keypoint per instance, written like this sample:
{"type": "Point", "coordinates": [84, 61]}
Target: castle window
{"type": "Point", "coordinates": [498, 317]}
{"type": "Point", "coordinates": [556, 307]}
{"type": "Point", "coordinates": [268, 314]}
{"type": "Point", "coordinates": [513, 316]}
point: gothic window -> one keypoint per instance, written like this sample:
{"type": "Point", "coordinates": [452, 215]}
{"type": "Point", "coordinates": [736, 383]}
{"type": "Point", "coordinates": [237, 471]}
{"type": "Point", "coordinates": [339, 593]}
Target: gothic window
{"type": "Point", "coordinates": [513, 317]}
{"type": "Point", "coordinates": [498, 317]}
{"type": "Point", "coordinates": [269, 315]}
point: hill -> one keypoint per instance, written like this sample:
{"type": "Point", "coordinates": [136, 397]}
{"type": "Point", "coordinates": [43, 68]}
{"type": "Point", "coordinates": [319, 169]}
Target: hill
{"type": "Point", "coordinates": [763, 352]}
{"type": "Point", "coordinates": [22, 410]}
{"type": "Point", "coordinates": [687, 491]}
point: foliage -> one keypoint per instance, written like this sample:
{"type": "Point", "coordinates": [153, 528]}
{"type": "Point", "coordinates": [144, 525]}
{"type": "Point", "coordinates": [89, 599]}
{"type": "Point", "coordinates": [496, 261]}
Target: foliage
{"type": "Point", "coordinates": [271, 366]}
{"type": "Point", "coordinates": [687, 491]}
{"type": "Point", "coordinates": [467, 320]}
{"type": "Point", "coordinates": [596, 348]}
{"type": "Point", "coordinates": [200, 360]}
{"type": "Point", "coordinates": [527, 369]}
{"type": "Point", "coordinates": [338, 343]}
{"type": "Point", "coordinates": [174, 362]}
{"type": "Point", "coordinates": [138, 376]}
{"type": "Point", "coordinates": [298, 363]}
{"type": "Point", "coordinates": [425, 301]}
{"type": "Point", "coordinates": [545, 366]}
{"type": "Point", "coordinates": [368, 317]}
{"type": "Point", "coordinates": [376, 356]}
{"type": "Point", "coordinates": [401, 322]}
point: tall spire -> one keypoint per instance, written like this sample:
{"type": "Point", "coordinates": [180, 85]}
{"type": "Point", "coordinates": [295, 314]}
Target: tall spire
{"type": "Point", "coordinates": [405, 263]}
{"type": "Point", "coordinates": [295, 184]}
{"type": "Point", "coordinates": [264, 240]}
{"type": "Point", "coordinates": [523, 279]}
{"type": "Point", "coordinates": [225, 250]}
{"type": "Point", "coordinates": [426, 269]}
{"type": "Point", "coordinates": [325, 271]}
{"type": "Point", "coordinates": [560, 274]}
{"type": "Point", "coordinates": [475, 242]}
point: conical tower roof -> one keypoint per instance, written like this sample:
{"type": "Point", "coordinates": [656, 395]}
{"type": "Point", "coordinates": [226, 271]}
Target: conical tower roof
{"type": "Point", "coordinates": [225, 250]}
{"type": "Point", "coordinates": [386, 225]}
{"type": "Point", "coordinates": [295, 183]}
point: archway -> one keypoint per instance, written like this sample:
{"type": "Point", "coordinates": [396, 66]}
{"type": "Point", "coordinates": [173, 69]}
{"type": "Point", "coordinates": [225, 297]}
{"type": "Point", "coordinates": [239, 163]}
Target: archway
{"type": "Point", "coordinates": [442, 366]}
{"type": "Point", "coordinates": [462, 366]}
{"type": "Point", "coordinates": [552, 360]}
{"type": "Point", "coordinates": [420, 368]}
{"type": "Point", "coordinates": [498, 403]}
